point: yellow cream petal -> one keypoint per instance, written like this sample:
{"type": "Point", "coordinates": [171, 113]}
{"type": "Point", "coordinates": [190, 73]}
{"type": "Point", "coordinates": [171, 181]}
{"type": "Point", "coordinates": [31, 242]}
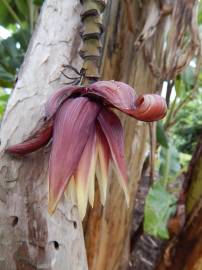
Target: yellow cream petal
{"type": "Point", "coordinates": [70, 191]}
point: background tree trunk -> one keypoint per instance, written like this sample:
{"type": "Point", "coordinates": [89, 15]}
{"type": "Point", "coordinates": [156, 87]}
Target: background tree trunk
{"type": "Point", "coordinates": [185, 251]}
{"type": "Point", "coordinates": [29, 237]}
{"type": "Point", "coordinates": [107, 230]}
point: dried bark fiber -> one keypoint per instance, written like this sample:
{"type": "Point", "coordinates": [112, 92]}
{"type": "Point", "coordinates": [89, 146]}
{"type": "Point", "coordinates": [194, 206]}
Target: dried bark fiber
{"type": "Point", "coordinates": [107, 230]}
{"type": "Point", "coordinates": [181, 34]}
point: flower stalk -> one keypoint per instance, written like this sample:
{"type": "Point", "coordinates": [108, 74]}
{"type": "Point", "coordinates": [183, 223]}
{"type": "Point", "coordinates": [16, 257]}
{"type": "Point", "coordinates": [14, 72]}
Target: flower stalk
{"type": "Point", "coordinates": [91, 36]}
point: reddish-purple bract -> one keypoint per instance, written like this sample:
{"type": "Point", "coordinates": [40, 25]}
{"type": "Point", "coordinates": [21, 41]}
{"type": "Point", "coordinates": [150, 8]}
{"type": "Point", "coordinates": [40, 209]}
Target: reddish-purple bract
{"type": "Point", "coordinates": [35, 142]}
{"type": "Point", "coordinates": [113, 131]}
{"type": "Point", "coordinates": [87, 135]}
{"type": "Point", "coordinates": [73, 124]}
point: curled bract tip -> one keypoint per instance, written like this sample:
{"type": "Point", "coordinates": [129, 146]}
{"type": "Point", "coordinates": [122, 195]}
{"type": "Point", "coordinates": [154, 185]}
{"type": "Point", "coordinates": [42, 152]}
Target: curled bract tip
{"type": "Point", "coordinates": [39, 139]}
{"type": "Point", "coordinates": [149, 107]}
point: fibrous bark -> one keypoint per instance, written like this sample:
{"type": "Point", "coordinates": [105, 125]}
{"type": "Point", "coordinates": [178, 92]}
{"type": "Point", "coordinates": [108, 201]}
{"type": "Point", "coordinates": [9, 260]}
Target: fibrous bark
{"type": "Point", "coordinates": [29, 237]}
{"type": "Point", "coordinates": [107, 230]}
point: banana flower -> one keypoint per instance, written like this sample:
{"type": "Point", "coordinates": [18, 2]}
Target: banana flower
{"type": "Point", "coordinates": [87, 135]}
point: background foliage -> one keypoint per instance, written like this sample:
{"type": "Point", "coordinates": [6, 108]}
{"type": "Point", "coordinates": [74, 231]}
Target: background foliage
{"type": "Point", "coordinates": [18, 18]}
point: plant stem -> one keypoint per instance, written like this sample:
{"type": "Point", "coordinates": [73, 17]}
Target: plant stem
{"type": "Point", "coordinates": [152, 129]}
{"type": "Point", "coordinates": [168, 92]}
{"type": "Point", "coordinates": [170, 114]}
{"type": "Point", "coordinates": [166, 171]}
{"type": "Point", "coordinates": [180, 106]}
{"type": "Point", "coordinates": [91, 36]}
{"type": "Point", "coordinates": [31, 14]}
{"type": "Point", "coordinates": [171, 118]}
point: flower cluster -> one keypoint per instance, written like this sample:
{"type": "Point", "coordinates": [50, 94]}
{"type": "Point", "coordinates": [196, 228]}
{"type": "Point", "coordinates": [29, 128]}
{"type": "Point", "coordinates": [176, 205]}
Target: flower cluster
{"type": "Point", "coordinates": [87, 135]}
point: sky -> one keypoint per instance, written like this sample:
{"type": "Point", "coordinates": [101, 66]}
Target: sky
{"type": "Point", "coordinates": [4, 33]}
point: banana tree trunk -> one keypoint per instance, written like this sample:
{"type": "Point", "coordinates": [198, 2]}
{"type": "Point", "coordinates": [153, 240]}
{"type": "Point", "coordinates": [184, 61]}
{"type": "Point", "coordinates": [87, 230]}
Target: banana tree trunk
{"type": "Point", "coordinates": [29, 237]}
{"type": "Point", "coordinates": [107, 230]}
